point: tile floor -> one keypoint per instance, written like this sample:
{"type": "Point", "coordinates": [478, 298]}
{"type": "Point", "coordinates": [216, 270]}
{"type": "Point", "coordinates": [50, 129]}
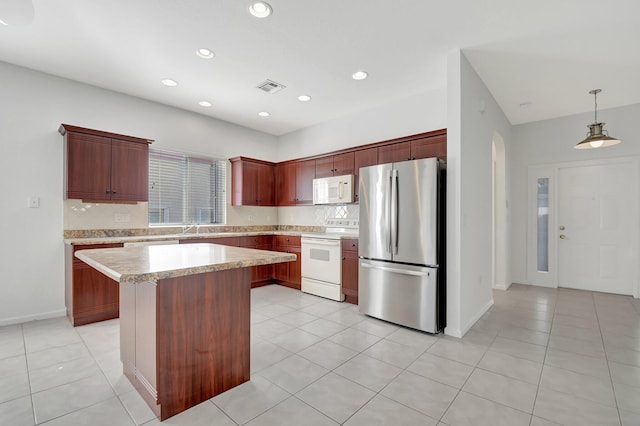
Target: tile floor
{"type": "Point", "coordinates": [538, 357]}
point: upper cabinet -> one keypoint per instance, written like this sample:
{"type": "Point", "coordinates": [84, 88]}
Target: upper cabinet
{"type": "Point", "coordinates": [335, 165]}
{"type": "Point", "coordinates": [105, 167]}
{"type": "Point", "coordinates": [432, 145]}
{"type": "Point", "coordinates": [294, 182]}
{"type": "Point", "coordinates": [363, 158]}
{"type": "Point", "coordinates": [252, 182]}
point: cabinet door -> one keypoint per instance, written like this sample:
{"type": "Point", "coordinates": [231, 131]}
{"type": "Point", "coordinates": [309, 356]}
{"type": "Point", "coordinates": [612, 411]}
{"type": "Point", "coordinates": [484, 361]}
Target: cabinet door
{"type": "Point", "coordinates": [350, 270]}
{"type": "Point", "coordinates": [129, 171]}
{"type": "Point", "coordinates": [363, 158]}
{"type": "Point", "coordinates": [295, 267]}
{"type": "Point", "coordinates": [305, 173]}
{"type": "Point", "coordinates": [95, 296]}
{"type": "Point", "coordinates": [343, 164]}
{"type": "Point", "coordinates": [88, 167]}
{"type": "Point", "coordinates": [286, 184]}
{"type": "Point", "coordinates": [435, 146]}
{"type": "Point", "coordinates": [266, 185]}
{"type": "Point", "coordinates": [394, 153]}
{"type": "Point", "coordinates": [245, 184]}
{"type": "Point", "coordinates": [324, 166]}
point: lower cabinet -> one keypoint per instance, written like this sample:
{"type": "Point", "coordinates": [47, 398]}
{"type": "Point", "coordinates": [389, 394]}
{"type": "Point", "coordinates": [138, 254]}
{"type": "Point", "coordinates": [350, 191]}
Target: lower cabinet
{"type": "Point", "coordinates": [288, 274]}
{"type": "Point", "coordinates": [350, 270]}
{"type": "Point", "coordinates": [262, 274]}
{"type": "Point", "coordinates": [89, 295]}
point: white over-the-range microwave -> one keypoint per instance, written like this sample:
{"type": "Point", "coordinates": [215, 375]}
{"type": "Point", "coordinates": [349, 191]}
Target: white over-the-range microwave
{"type": "Point", "coordinates": [333, 190]}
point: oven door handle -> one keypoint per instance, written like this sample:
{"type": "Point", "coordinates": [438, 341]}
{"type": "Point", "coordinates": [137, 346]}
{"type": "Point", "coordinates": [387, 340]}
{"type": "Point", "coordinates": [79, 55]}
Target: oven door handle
{"type": "Point", "coordinates": [313, 241]}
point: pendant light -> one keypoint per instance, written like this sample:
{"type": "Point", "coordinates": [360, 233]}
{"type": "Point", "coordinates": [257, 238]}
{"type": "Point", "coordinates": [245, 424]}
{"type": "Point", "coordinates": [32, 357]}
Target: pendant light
{"type": "Point", "coordinates": [597, 137]}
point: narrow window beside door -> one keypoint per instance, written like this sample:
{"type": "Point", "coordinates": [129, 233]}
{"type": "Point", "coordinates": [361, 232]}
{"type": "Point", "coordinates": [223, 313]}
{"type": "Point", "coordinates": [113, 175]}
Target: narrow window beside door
{"type": "Point", "coordinates": [543, 224]}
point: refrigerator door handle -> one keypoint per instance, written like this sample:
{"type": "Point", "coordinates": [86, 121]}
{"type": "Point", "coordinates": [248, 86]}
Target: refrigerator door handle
{"type": "Point", "coordinates": [389, 230]}
{"type": "Point", "coordinates": [397, 271]}
{"type": "Point", "coordinates": [395, 206]}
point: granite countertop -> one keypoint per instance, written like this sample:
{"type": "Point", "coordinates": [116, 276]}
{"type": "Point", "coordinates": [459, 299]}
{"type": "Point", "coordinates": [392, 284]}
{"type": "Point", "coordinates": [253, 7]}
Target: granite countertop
{"type": "Point", "coordinates": [174, 237]}
{"type": "Point", "coordinates": [171, 237]}
{"type": "Point", "coordinates": [151, 263]}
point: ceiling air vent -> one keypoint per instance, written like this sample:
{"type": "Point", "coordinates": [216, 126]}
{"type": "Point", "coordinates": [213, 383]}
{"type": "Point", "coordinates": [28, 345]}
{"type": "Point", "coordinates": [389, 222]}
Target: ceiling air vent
{"type": "Point", "coordinates": [270, 86]}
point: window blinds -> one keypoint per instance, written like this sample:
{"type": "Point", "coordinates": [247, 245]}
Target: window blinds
{"type": "Point", "coordinates": [184, 189]}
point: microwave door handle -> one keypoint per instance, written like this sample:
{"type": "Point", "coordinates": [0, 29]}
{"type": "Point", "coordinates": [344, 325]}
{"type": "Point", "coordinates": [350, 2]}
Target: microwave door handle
{"type": "Point", "coordinates": [340, 190]}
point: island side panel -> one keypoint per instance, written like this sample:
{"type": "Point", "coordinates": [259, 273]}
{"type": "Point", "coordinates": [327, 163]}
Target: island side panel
{"type": "Point", "coordinates": [203, 337]}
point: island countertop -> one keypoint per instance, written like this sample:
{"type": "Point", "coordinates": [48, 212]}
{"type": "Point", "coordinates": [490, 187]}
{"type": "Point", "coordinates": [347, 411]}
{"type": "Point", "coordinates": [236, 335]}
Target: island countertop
{"type": "Point", "coordinates": [152, 263]}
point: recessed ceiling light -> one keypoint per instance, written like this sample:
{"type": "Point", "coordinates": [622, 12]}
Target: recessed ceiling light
{"type": "Point", "coordinates": [204, 53]}
{"type": "Point", "coordinates": [169, 82]}
{"type": "Point", "coordinates": [359, 75]}
{"type": "Point", "coordinates": [304, 98]}
{"type": "Point", "coordinates": [263, 114]}
{"type": "Point", "coordinates": [260, 9]}
{"type": "Point", "coordinates": [205, 103]}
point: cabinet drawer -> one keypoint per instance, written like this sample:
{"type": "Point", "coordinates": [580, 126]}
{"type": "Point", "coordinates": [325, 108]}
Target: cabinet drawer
{"type": "Point", "coordinates": [254, 241]}
{"type": "Point", "coordinates": [350, 245]}
{"type": "Point", "coordinates": [287, 240]}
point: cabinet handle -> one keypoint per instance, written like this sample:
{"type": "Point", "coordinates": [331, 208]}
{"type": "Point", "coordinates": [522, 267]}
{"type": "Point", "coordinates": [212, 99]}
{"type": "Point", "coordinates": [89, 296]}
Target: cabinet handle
{"type": "Point", "coordinates": [344, 258]}
{"type": "Point", "coordinates": [353, 245]}
{"type": "Point", "coordinates": [108, 192]}
{"type": "Point", "coordinates": [113, 192]}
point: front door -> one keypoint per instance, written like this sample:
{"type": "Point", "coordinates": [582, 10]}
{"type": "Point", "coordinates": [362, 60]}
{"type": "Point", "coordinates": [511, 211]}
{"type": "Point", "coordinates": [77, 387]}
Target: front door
{"type": "Point", "coordinates": [597, 227]}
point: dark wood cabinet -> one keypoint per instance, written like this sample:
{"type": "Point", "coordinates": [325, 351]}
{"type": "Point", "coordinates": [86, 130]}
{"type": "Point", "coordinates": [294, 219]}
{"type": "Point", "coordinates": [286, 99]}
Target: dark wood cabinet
{"type": "Point", "coordinates": [105, 167]}
{"type": "Point", "coordinates": [305, 173]}
{"type": "Point", "coordinates": [89, 295]}
{"type": "Point", "coordinates": [286, 184]}
{"type": "Point", "coordinates": [394, 153]}
{"type": "Point", "coordinates": [350, 270]}
{"type": "Point", "coordinates": [289, 273]}
{"type": "Point", "coordinates": [261, 274]}
{"type": "Point", "coordinates": [335, 165]}
{"type": "Point", "coordinates": [362, 158]}
{"type": "Point", "coordinates": [435, 146]}
{"type": "Point", "coordinates": [294, 182]}
{"type": "Point", "coordinates": [252, 182]}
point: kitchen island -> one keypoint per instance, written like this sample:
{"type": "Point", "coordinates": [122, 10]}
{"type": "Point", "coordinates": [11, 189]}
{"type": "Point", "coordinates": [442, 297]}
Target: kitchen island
{"type": "Point", "coordinates": [184, 318]}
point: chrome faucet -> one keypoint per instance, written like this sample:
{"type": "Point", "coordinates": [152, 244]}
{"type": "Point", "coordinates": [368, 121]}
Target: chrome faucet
{"type": "Point", "coordinates": [187, 228]}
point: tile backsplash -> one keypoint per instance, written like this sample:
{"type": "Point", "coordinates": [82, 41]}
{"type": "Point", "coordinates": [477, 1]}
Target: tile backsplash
{"type": "Point", "coordinates": [79, 215]}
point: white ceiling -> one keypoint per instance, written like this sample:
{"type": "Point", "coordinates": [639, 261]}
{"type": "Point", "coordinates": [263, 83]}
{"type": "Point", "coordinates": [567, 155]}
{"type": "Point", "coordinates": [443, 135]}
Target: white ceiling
{"type": "Point", "coordinates": [548, 53]}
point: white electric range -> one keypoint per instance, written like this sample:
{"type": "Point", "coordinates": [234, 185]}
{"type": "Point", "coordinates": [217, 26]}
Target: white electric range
{"type": "Point", "coordinates": [322, 258]}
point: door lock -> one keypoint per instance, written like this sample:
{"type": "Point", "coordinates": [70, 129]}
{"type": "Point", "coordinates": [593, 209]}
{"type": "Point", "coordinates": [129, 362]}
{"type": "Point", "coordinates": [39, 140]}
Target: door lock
{"type": "Point", "coordinates": [562, 228]}
{"type": "Point", "coordinates": [563, 237]}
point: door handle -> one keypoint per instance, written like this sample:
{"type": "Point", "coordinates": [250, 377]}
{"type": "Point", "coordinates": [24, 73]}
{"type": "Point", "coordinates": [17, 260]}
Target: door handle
{"type": "Point", "coordinates": [563, 237]}
{"type": "Point", "coordinates": [562, 228]}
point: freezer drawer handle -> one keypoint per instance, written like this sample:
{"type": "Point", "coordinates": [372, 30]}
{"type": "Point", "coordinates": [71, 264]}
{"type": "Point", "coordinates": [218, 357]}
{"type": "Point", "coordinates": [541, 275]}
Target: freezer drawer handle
{"type": "Point", "coordinates": [398, 271]}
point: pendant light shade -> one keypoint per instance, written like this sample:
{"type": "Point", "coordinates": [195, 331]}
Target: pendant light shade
{"type": "Point", "coordinates": [597, 137]}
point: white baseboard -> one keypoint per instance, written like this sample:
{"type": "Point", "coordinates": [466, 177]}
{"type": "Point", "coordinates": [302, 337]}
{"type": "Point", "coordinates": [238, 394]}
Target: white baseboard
{"type": "Point", "coordinates": [33, 317]}
{"type": "Point", "coordinates": [542, 285]}
{"type": "Point", "coordinates": [453, 332]}
{"type": "Point", "coordinates": [502, 286]}
{"type": "Point", "coordinates": [476, 317]}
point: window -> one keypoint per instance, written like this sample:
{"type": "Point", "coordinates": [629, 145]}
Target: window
{"type": "Point", "coordinates": [543, 224]}
{"type": "Point", "coordinates": [184, 189]}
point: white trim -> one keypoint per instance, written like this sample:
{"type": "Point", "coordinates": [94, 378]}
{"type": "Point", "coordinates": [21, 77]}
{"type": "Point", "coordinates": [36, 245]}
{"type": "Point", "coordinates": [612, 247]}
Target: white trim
{"type": "Point", "coordinates": [502, 286]}
{"type": "Point", "coordinates": [33, 317]}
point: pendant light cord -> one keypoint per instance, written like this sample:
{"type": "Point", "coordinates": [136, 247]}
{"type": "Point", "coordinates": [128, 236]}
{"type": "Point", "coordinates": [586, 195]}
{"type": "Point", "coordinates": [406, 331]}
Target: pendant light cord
{"type": "Point", "coordinates": [595, 103]}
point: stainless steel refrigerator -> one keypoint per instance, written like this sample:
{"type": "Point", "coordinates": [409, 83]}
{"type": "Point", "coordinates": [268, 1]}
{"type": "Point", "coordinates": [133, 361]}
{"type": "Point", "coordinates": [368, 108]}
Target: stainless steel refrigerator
{"type": "Point", "coordinates": [401, 274]}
